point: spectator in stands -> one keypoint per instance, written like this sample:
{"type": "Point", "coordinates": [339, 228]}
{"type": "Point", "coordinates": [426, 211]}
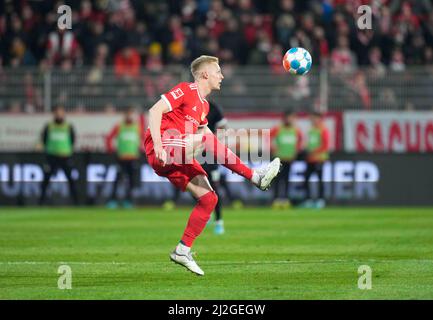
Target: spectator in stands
{"type": "Point", "coordinates": [141, 39]}
{"type": "Point", "coordinates": [406, 20]}
{"type": "Point", "coordinates": [320, 46]}
{"type": "Point", "coordinates": [62, 44]}
{"type": "Point", "coordinates": [428, 56]}
{"type": "Point", "coordinates": [428, 28]}
{"type": "Point", "coordinates": [259, 53]}
{"type": "Point", "coordinates": [215, 18]}
{"type": "Point", "coordinates": [414, 51]}
{"type": "Point", "coordinates": [248, 32]}
{"type": "Point", "coordinates": [197, 42]}
{"type": "Point", "coordinates": [361, 93]}
{"type": "Point", "coordinates": [176, 29]}
{"type": "Point", "coordinates": [342, 58]}
{"type": "Point", "coordinates": [377, 69]}
{"type": "Point", "coordinates": [127, 63]}
{"type": "Point", "coordinates": [233, 40]}
{"type": "Point", "coordinates": [397, 61]}
{"type": "Point", "coordinates": [177, 53]}
{"type": "Point", "coordinates": [313, 24]}
{"type": "Point", "coordinates": [95, 38]}
{"type": "Point", "coordinates": [154, 60]}
{"type": "Point", "coordinates": [274, 57]}
{"type": "Point", "coordinates": [285, 28]}
{"type": "Point", "coordinates": [365, 39]}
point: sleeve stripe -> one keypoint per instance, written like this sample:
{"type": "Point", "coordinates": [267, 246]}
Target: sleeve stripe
{"type": "Point", "coordinates": [163, 97]}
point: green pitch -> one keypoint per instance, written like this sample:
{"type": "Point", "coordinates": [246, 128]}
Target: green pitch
{"type": "Point", "coordinates": [265, 254]}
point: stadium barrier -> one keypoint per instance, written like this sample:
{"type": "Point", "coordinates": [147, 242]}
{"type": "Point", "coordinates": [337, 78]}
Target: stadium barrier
{"type": "Point", "coordinates": [397, 132]}
{"type": "Point", "coordinates": [21, 132]}
{"type": "Point", "coordinates": [245, 88]}
{"type": "Point", "coordinates": [351, 179]}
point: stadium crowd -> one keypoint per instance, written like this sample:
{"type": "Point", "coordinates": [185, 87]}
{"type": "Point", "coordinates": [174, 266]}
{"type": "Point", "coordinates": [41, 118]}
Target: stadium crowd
{"type": "Point", "coordinates": [136, 35]}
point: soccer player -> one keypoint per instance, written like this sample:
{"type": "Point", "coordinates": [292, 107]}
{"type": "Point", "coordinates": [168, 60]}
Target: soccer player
{"type": "Point", "coordinates": [129, 136]}
{"type": "Point", "coordinates": [58, 138]}
{"type": "Point", "coordinates": [177, 131]}
{"type": "Point", "coordinates": [286, 143]}
{"type": "Point", "coordinates": [316, 154]}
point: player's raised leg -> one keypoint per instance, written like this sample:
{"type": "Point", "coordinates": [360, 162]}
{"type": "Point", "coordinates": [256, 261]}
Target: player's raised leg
{"type": "Point", "coordinates": [206, 198]}
{"type": "Point", "coordinates": [207, 141]}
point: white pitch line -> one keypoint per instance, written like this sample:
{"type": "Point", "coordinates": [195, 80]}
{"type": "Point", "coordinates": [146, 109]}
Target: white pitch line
{"type": "Point", "coordinates": [60, 262]}
{"type": "Point", "coordinates": [318, 261]}
{"type": "Point", "coordinates": [221, 262]}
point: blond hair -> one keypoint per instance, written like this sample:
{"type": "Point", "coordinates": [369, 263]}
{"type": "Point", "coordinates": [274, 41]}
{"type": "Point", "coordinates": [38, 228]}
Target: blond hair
{"type": "Point", "coordinates": [198, 62]}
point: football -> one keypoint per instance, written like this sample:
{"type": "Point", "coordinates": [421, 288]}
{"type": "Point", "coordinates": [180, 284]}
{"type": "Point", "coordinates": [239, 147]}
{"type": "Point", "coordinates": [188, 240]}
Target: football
{"type": "Point", "coordinates": [297, 61]}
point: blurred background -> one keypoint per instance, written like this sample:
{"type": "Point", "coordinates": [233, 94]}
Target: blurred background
{"type": "Point", "coordinates": [375, 87]}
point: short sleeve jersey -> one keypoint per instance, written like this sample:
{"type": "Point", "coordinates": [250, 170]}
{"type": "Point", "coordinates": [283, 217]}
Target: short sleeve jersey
{"type": "Point", "coordinates": [188, 110]}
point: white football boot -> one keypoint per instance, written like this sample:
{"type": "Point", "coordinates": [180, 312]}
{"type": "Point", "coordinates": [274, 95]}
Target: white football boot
{"type": "Point", "coordinates": [263, 177]}
{"type": "Point", "coordinates": [186, 260]}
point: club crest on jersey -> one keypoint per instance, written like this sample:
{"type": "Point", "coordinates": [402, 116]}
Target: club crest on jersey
{"type": "Point", "coordinates": [203, 116]}
{"type": "Point", "coordinates": [177, 93]}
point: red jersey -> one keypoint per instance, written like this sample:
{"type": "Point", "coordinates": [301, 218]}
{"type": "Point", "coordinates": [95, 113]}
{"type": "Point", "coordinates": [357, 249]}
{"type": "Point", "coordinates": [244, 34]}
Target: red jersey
{"type": "Point", "coordinates": [188, 110]}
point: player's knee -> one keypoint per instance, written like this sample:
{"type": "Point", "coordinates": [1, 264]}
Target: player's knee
{"type": "Point", "coordinates": [214, 198]}
{"type": "Point", "coordinates": [211, 199]}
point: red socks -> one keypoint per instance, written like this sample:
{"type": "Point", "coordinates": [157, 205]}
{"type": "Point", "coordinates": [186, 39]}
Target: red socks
{"type": "Point", "coordinates": [205, 205]}
{"type": "Point", "coordinates": [199, 217]}
{"type": "Point", "coordinates": [225, 156]}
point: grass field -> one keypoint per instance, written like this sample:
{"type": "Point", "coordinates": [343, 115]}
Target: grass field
{"type": "Point", "coordinates": [265, 254]}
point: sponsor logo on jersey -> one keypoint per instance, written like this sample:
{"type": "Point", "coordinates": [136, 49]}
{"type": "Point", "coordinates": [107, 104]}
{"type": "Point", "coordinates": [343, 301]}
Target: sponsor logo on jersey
{"type": "Point", "coordinates": [191, 119]}
{"type": "Point", "coordinates": [177, 93]}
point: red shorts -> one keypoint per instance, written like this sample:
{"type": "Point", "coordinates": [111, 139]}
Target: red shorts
{"type": "Point", "coordinates": [179, 174]}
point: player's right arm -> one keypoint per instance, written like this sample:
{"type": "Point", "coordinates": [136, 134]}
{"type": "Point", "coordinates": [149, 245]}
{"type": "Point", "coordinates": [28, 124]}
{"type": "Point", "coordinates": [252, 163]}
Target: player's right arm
{"type": "Point", "coordinates": [155, 116]}
{"type": "Point", "coordinates": [168, 102]}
